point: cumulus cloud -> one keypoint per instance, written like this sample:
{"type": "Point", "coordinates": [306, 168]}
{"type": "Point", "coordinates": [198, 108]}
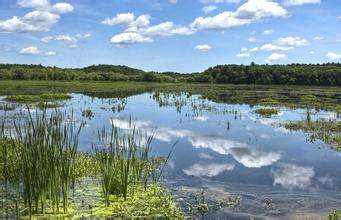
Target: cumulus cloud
{"type": "Point", "coordinates": [333, 56]}
{"type": "Point", "coordinates": [301, 2]}
{"type": "Point", "coordinates": [42, 18]}
{"type": "Point", "coordinates": [274, 47]}
{"type": "Point", "coordinates": [32, 50]}
{"type": "Point", "coordinates": [139, 30]}
{"type": "Point", "coordinates": [209, 8]}
{"type": "Point", "coordinates": [203, 47]}
{"type": "Point", "coordinates": [250, 12]}
{"type": "Point", "coordinates": [292, 176]}
{"type": "Point", "coordinates": [130, 37]}
{"type": "Point", "coordinates": [275, 57]}
{"type": "Point", "coordinates": [208, 170]}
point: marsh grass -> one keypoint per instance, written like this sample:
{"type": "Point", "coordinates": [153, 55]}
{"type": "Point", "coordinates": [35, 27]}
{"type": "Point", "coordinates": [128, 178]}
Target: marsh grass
{"type": "Point", "coordinates": [267, 112]}
{"type": "Point", "coordinates": [42, 98]}
{"type": "Point", "coordinates": [45, 148]}
{"type": "Point", "coordinates": [329, 131]}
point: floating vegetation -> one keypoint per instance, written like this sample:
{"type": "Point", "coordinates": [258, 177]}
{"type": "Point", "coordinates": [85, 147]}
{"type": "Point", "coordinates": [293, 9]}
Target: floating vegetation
{"type": "Point", "coordinates": [267, 112]}
{"type": "Point", "coordinates": [45, 97]}
{"type": "Point", "coordinates": [119, 105]}
{"type": "Point", "coordinates": [201, 207]}
{"type": "Point", "coordinates": [329, 131]}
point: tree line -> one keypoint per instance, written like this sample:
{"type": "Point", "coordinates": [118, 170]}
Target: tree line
{"type": "Point", "coordinates": [328, 74]}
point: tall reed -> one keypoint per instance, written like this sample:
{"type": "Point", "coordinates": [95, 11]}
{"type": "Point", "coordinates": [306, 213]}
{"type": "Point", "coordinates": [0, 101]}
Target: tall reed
{"type": "Point", "coordinates": [48, 145]}
{"type": "Point", "coordinates": [124, 160]}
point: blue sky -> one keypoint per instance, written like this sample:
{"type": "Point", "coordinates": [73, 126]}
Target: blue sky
{"type": "Point", "coordinates": [169, 35]}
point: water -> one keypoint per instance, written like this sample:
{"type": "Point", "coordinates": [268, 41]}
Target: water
{"type": "Point", "coordinates": [227, 149]}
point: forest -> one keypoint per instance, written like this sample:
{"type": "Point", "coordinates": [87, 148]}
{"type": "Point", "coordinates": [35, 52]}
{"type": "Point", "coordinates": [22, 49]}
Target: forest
{"type": "Point", "coordinates": [328, 74]}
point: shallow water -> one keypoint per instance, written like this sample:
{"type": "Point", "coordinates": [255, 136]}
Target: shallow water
{"type": "Point", "coordinates": [227, 149]}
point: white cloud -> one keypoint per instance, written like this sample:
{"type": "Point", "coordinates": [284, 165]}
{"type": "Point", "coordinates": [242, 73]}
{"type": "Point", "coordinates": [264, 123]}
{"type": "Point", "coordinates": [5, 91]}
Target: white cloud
{"type": "Point", "coordinates": [301, 2]}
{"type": "Point", "coordinates": [129, 38]}
{"type": "Point", "coordinates": [243, 55]}
{"type": "Point", "coordinates": [292, 41]}
{"type": "Point", "coordinates": [83, 36]}
{"type": "Point", "coordinates": [65, 38]}
{"type": "Point", "coordinates": [33, 3]}
{"type": "Point", "coordinates": [41, 19]}
{"type": "Point", "coordinates": [274, 47]}
{"type": "Point", "coordinates": [62, 8]}
{"type": "Point", "coordinates": [275, 57]}
{"type": "Point", "coordinates": [139, 30]}
{"type": "Point", "coordinates": [173, 1]}
{"type": "Point", "coordinates": [203, 47]}
{"type": "Point", "coordinates": [209, 8]}
{"type": "Point", "coordinates": [255, 49]}
{"type": "Point", "coordinates": [268, 32]}
{"type": "Point", "coordinates": [312, 52]}
{"type": "Point", "coordinates": [209, 170]}
{"type": "Point", "coordinates": [47, 39]}
{"type": "Point", "coordinates": [250, 12]}
{"type": "Point", "coordinates": [32, 50]}
{"type": "Point", "coordinates": [292, 176]}
{"type": "Point", "coordinates": [50, 53]}
{"type": "Point", "coordinates": [333, 56]}
{"type": "Point", "coordinates": [318, 38]}
{"type": "Point", "coordinates": [252, 39]}
{"type": "Point", "coordinates": [120, 19]}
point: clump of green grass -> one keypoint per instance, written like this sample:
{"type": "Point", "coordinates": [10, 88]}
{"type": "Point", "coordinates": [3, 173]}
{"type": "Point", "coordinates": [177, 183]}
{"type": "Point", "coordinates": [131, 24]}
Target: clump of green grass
{"type": "Point", "coordinates": [329, 131]}
{"type": "Point", "coordinates": [45, 97]}
{"type": "Point", "coordinates": [267, 112]}
{"type": "Point", "coordinates": [45, 148]}
{"type": "Point", "coordinates": [334, 215]}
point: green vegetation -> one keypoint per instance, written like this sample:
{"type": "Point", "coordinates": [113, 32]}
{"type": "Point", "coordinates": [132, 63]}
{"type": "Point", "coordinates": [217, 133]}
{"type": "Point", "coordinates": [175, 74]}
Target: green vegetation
{"type": "Point", "coordinates": [328, 74]}
{"type": "Point", "coordinates": [334, 215]}
{"type": "Point", "coordinates": [290, 96]}
{"type": "Point", "coordinates": [267, 112]}
{"type": "Point", "coordinates": [329, 131]}
{"type": "Point", "coordinates": [45, 97]}
{"type": "Point", "coordinates": [40, 167]}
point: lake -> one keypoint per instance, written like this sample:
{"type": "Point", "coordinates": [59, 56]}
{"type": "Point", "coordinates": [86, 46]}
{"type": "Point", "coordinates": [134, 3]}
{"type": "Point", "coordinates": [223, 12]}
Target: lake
{"type": "Point", "coordinates": [224, 149]}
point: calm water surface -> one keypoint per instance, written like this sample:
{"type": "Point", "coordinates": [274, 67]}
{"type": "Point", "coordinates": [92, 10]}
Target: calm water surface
{"type": "Point", "coordinates": [227, 149]}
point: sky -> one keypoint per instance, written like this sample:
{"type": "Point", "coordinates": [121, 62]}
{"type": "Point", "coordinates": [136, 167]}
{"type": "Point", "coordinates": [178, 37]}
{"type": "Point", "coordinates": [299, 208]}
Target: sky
{"type": "Point", "coordinates": [169, 35]}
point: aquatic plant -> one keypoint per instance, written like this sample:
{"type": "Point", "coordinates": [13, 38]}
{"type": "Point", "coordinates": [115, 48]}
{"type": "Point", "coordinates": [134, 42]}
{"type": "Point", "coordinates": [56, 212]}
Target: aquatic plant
{"type": "Point", "coordinates": [45, 97]}
{"type": "Point", "coordinates": [267, 112]}
{"type": "Point", "coordinates": [45, 147]}
{"type": "Point", "coordinates": [329, 131]}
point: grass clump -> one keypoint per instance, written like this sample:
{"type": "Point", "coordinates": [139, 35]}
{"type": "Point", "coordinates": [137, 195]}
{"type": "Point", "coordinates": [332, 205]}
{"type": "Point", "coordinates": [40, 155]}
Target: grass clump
{"type": "Point", "coordinates": [267, 112]}
{"type": "Point", "coordinates": [329, 131]}
{"type": "Point", "coordinates": [45, 97]}
{"type": "Point", "coordinates": [335, 215]}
